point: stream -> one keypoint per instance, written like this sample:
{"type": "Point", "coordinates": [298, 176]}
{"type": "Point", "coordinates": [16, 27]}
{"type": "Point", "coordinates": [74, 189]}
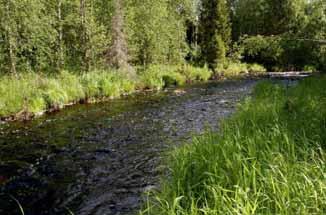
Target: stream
{"type": "Point", "coordinates": [100, 158]}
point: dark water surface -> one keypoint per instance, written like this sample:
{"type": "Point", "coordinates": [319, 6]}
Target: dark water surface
{"type": "Point", "coordinates": [100, 158]}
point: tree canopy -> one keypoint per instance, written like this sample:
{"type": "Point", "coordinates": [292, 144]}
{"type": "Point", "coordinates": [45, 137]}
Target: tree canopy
{"type": "Point", "coordinates": [78, 35]}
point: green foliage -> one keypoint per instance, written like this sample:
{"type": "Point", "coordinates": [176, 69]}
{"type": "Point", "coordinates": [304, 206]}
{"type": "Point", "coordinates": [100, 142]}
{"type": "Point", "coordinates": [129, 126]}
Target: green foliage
{"type": "Point", "coordinates": [266, 17]}
{"type": "Point", "coordinates": [282, 52]}
{"type": "Point", "coordinates": [256, 68]}
{"type": "Point", "coordinates": [268, 159]}
{"type": "Point", "coordinates": [100, 84]}
{"type": "Point", "coordinates": [27, 36]}
{"type": "Point", "coordinates": [159, 76]}
{"type": "Point", "coordinates": [195, 73]}
{"type": "Point", "coordinates": [150, 78]}
{"type": "Point", "coordinates": [156, 31]}
{"type": "Point", "coordinates": [35, 93]}
{"type": "Point", "coordinates": [19, 94]}
{"type": "Point", "coordinates": [77, 35]}
{"type": "Point", "coordinates": [230, 69]}
{"type": "Point", "coordinates": [215, 32]}
{"type": "Point", "coordinates": [292, 33]}
{"type": "Point", "coordinates": [263, 50]}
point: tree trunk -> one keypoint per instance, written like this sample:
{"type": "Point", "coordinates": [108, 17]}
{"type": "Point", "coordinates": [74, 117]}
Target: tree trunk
{"type": "Point", "coordinates": [117, 54]}
{"type": "Point", "coordinates": [11, 42]}
{"type": "Point", "coordinates": [84, 42]}
{"type": "Point", "coordinates": [60, 42]}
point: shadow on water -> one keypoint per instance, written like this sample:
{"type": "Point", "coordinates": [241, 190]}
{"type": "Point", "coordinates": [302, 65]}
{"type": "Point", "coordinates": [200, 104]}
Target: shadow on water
{"type": "Point", "coordinates": [100, 158]}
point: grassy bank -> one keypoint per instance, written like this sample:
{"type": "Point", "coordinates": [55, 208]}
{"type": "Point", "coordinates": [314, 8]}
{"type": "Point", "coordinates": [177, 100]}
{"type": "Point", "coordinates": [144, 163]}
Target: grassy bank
{"type": "Point", "coordinates": [269, 158]}
{"type": "Point", "coordinates": [32, 93]}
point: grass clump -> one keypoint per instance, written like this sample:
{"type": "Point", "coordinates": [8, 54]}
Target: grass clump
{"type": "Point", "coordinates": [160, 76]}
{"type": "Point", "coordinates": [195, 73]}
{"type": "Point", "coordinates": [19, 94]}
{"type": "Point", "coordinates": [269, 158]}
{"type": "Point", "coordinates": [231, 69]}
{"type": "Point", "coordinates": [34, 93]}
{"type": "Point", "coordinates": [100, 84]}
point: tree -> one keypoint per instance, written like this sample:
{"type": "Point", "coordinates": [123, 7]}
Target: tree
{"type": "Point", "coordinates": [28, 35]}
{"type": "Point", "coordinates": [215, 31]}
{"type": "Point", "coordinates": [9, 28]}
{"type": "Point", "coordinates": [266, 17]}
{"type": "Point", "coordinates": [156, 31]}
{"type": "Point", "coordinates": [281, 16]}
{"type": "Point", "coordinates": [248, 18]}
{"type": "Point", "coordinates": [117, 55]}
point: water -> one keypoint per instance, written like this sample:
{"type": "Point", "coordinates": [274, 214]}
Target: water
{"type": "Point", "coordinates": [100, 158]}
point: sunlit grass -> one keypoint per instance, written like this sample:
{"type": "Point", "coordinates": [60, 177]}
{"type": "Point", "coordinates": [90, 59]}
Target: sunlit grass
{"type": "Point", "coordinates": [160, 76]}
{"type": "Point", "coordinates": [269, 158]}
{"type": "Point", "coordinates": [34, 93]}
{"type": "Point", "coordinates": [231, 69]}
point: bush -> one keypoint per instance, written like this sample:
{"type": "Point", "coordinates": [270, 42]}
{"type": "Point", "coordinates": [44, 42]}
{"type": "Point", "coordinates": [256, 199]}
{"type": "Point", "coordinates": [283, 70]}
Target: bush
{"type": "Point", "coordinates": [309, 68]}
{"type": "Point", "coordinates": [91, 84]}
{"type": "Point", "coordinates": [99, 84]}
{"type": "Point", "coordinates": [256, 68]}
{"type": "Point", "coordinates": [195, 73]}
{"type": "Point", "coordinates": [71, 85]}
{"type": "Point", "coordinates": [21, 94]}
{"type": "Point", "coordinates": [53, 93]}
{"type": "Point", "coordinates": [34, 93]}
{"type": "Point", "coordinates": [151, 77]}
{"type": "Point", "coordinates": [236, 69]}
{"type": "Point", "coordinates": [266, 51]}
{"type": "Point", "coordinates": [159, 76]}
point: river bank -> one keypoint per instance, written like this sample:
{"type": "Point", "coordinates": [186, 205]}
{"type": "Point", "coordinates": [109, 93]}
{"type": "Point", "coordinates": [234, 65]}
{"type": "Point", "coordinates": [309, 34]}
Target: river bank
{"type": "Point", "coordinates": [269, 158]}
{"type": "Point", "coordinates": [101, 158]}
{"type": "Point", "coordinates": [32, 94]}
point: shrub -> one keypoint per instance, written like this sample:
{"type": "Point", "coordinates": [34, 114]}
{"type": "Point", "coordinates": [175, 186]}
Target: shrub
{"type": "Point", "coordinates": [256, 68]}
{"type": "Point", "coordinates": [309, 68]}
{"type": "Point", "coordinates": [264, 50]}
{"type": "Point", "coordinates": [195, 73]}
{"type": "Point", "coordinates": [236, 69]}
{"type": "Point", "coordinates": [151, 78]}
{"type": "Point", "coordinates": [71, 85]}
{"type": "Point", "coordinates": [91, 84]}
{"type": "Point", "coordinates": [21, 94]}
{"type": "Point", "coordinates": [53, 93]}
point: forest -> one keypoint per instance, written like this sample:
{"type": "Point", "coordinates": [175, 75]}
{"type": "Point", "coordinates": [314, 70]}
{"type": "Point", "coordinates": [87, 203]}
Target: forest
{"type": "Point", "coordinates": [171, 107]}
{"type": "Point", "coordinates": [108, 48]}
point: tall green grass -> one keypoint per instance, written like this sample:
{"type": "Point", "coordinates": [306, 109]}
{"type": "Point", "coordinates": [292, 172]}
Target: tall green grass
{"type": "Point", "coordinates": [269, 158]}
{"type": "Point", "coordinates": [160, 76]}
{"type": "Point", "coordinates": [231, 69]}
{"type": "Point", "coordinates": [34, 93]}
